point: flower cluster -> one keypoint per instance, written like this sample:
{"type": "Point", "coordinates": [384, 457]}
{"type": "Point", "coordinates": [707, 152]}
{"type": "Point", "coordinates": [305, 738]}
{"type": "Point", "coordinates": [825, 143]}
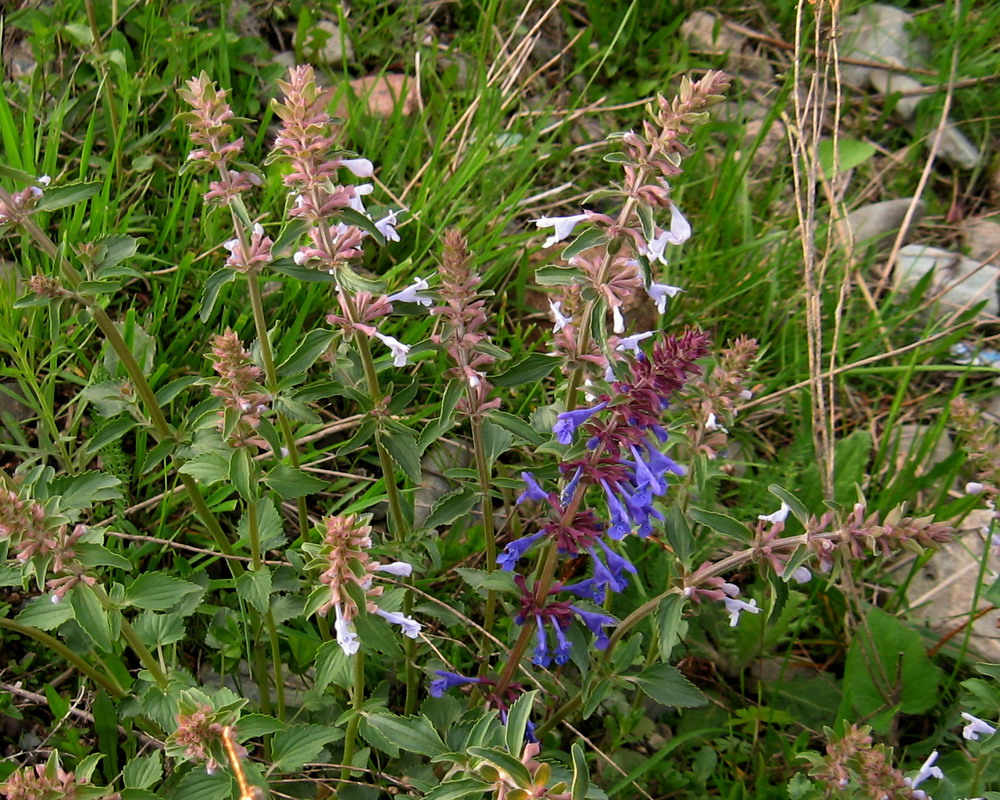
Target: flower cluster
{"type": "Point", "coordinates": [47, 781]}
{"type": "Point", "coordinates": [347, 571]}
{"type": "Point", "coordinates": [496, 698]}
{"type": "Point", "coordinates": [16, 207]}
{"type": "Point", "coordinates": [211, 128]}
{"type": "Point", "coordinates": [238, 387]}
{"type": "Point", "coordinates": [463, 310]}
{"type": "Point", "coordinates": [198, 733]}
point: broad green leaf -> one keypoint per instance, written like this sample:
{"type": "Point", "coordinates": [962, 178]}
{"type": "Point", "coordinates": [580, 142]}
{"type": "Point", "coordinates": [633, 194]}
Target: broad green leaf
{"type": "Point", "coordinates": [451, 507]}
{"type": "Point", "coordinates": [505, 762]}
{"type": "Point", "coordinates": [456, 790]}
{"type": "Point", "coordinates": [254, 586]}
{"type": "Point", "coordinates": [242, 474]}
{"type": "Point", "coordinates": [411, 734]}
{"type": "Point", "coordinates": [251, 726]}
{"type": "Point", "coordinates": [559, 276]}
{"type": "Point", "coordinates": [82, 491]}
{"type": "Point", "coordinates": [207, 468]}
{"type": "Point", "coordinates": [213, 286]}
{"type": "Point", "coordinates": [197, 784]}
{"type": "Point", "coordinates": [517, 721]}
{"type": "Point", "coordinates": [312, 347]}
{"type": "Point", "coordinates": [496, 441]}
{"type": "Point", "coordinates": [141, 772]}
{"type": "Point", "coordinates": [333, 665]}
{"type": "Point", "coordinates": [529, 370]}
{"type": "Point", "coordinates": [67, 195]}
{"type": "Point", "coordinates": [45, 615]}
{"type": "Point", "coordinates": [669, 621]}
{"type": "Point", "coordinates": [157, 591]}
{"type": "Point", "coordinates": [666, 685]}
{"type": "Point", "coordinates": [58, 705]}
{"type": "Point", "coordinates": [721, 523]}
{"type": "Point", "coordinates": [797, 507]}
{"type": "Point", "coordinates": [850, 154]}
{"type": "Point", "coordinates": [111, 432]}
{"type": "Point", "coordinates": [404, 451]}
{"type": "Point", "coordinates": [291, 482]}
{"type": "Point", "coordinates": [92, 617]}
{"type": "Point", "coordinates": [498, 580]}
{"type": "Point", "coordinates": [592, 237]}
{"type": "Point", "coordinates": [581, 775]}
{"type": "Point", "coordinates": [516, 425]}
{"type": "Point", "coordinates": [112, 250]}
{"type": "Point", "coordinates": [299, 744]}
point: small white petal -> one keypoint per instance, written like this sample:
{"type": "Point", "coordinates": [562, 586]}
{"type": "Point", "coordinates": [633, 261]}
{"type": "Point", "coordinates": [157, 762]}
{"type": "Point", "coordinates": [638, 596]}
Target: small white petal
{"type": "Point", "coordinates": [974, 488]}
{"type": "Point", "coordinates": [801, 575]}
{"type": "Point", "coordinates": [680, 228]}
{"type": "Point", "coordinates": [410, 626]}
{"type": "Point", "coordinates": [562, 227]}
{"type": "Point", "coordinates": [387, 227]}
{"type": "Point", "coordinates": [561, 321]}
{"type": "Point", "coordinates": [361, 167]}
{"type": "Point", "coordinates": [399, 350]}
{"type": "Point", "coordinates": [45, 180]}
{"type": "Point", "coordinates": [735, 606]}
{"type": "Point", "coordinates": [778, 516]}
{"type": "Point", "coordinates": [411, 293]}
{"type": "Point", "coordinates": [346, 637]}
{"type": "Point", "coordinates": [618, 321]}
{"type": "Point", "coordinates": [258, 229]}
{"type": "Point", "coordinates": [659, 292]}
{"type": "Point", "coordinates": [631, 343]}
{"type": "Point", "coordinates": [301, 258]}
{"type": "Point", "coordinates": [746, 394]}
{"type": "Point", "coordinates": [400, 568]}
{"type": "Point", "coordinates": [231, 245]}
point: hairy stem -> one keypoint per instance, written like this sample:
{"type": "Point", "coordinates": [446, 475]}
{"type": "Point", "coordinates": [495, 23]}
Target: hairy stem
{"type": "Point", "coordinates": [489, 531]}
{"type": "Point", "coordinates": [132, 638]}
{"type": "Point", "coordinates": [357, 701]}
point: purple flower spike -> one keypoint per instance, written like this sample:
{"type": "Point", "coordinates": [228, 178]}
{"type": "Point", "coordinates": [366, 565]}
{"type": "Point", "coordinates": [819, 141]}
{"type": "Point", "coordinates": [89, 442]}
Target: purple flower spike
{"type": "Point", "coordinates": [589, 589]}
{"type": "Point", "coordinates": [565, 646]}
{"type": "Point", "coordinates": [448, 680]}
{"type": "Point", "coordinates": [595, 623]}
{"type": "Point", "coordinates": [616, 563]}
{"type": "Point", "coordinates": [621, 525]}
{"type": "Point", "coordinates": [570, 489]}
{"type": "Point", "coordinates": [542, 657]}
{"type": "Point", "coordinates": [569, 421]}
{"type": "Point", "coordinates": [515, 550]}
{"type": "Point", "coordinates": [533, 492]}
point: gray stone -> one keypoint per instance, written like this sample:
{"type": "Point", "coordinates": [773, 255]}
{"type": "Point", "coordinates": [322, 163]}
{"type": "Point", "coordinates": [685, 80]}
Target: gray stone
{"type": "Point", "coordinates": [327, 45]}
{"type": "Point", "coordinates": [982, 239]}
{"type": "Point", "coordinates": [709, 33]}
{"type": "Point", "coordinates": [961, 281]}
{"type": "Point", "coordinates": [877, 224]}
{"type": "Point", "coordinates": [943, 590]}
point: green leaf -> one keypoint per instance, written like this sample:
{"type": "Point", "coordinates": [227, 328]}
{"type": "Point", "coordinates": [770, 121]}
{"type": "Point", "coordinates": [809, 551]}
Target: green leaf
{"type": "Point", "coordinates": [251, 726]}
{"type": "Point", "coordinates": [516, 425]}
{"type": "Point", "coordinates": [111, 432]}
{"type": "Point", "coordinates": [669, 621]}
{"type": "Point", "coordinates": [254, 586]}
{"type": "Point", "coordinates": [157, 591]}
{"type": "Point", "coordinates": [136, 794]}
{"type": "Point", "coordinates": [581, 775]}
{"type": "Point", "coordinates": [411, 734]}
{"type": "Point", "coordinates": [333, 665]}
{"type": "Point", "coordinates": [291, 749]}
{"type": "Point", "coordinates": [529, 370]}
{"type": "Point", "coordinates": [58, 705]}
{"type": "Point", "coordinates": [666, 685]}
{"type": "Point", "coordinates": [351, 217]}
{"type": "Point", "coordinates": [404, 451]}
{"type": "Point", "coordinates": [291, 482]}
{"type": "Point", "coordinates": [67, 195]}
{"type": "Point", "coordinates": [498, 580]}
{"type": "Point", "coordinates": [496, 441]}
{"type": "Point", "coordinates": [646, 221]}
{"type": "Point", "coordinates": [505, 762]}
{"type": "Point", "coordinates": [240, 470]}
{"type": "Point", "coordinates": [207, 468]}
{"type": "Point", "coordinates": [559, 276]}
{"type": "Point", "coordinates": [45, 615]}
{"type": "Point", "coordinates": [167, 393]}
{"type": "Point", "coordinates": [199, 785]}
{"type": "Point", "coordinates": [92, 617]}
{"type": "Point", "coordinates": [106, 725]}
{"type": "Point", "coordinates": [517, 721]}
{"type": "Point", "coordinates": [82, 491]}
{"type": "Point", "coordinates": [851, 456]}
{"type": "Point", "coordinates": [452, 506]}
{"type": "Point", "coordinates": [592, 237]}
{"type": "Point", "coordinates": [721, 523]}
{"type": "Point", "coordinates": [312, 347]}
{"type": "Point", "coordinates": [850, 152]}
{"type": "Point", "coordinates": [456, 790]}
{"type": "Point", "coordinates": [213, 286]}
{"type": "Point", "coordinates": [797, 506]}
{"type": "Point", "coordinates": [143, 771]}
{"type": "Point", "coordinates": [112, 250]}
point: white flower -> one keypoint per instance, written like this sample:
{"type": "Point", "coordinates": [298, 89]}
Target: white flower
{"type": "Point", "coordinates": [659, 292]}
{"type": "Point", "coordinates": [734, 606]}
{"type": "Point", "coordinates": [712, 423]}
{"type": "Point", "coordinates": [45, 180]}
{"type": "Point", "coordinates": [561, 321]}
{"type": "Point", "coordinates": [680, 232]}
{"type": "Point", "coordinates": [300, 258]}
{"type": "Point", "coordinates": [346, 637]}
{"type": "Point", "coordinates": [56, 599]}
{"type": "Point", "coordinates": [400, 568]}
{"type": "Point", "coordinates": [802, 575]}
{"type": "Point", "coordinates": [410, 293]}
{"type": "Point", "coordinates": [231, 245]}
{"type": "Point", "coordinates": [974, 488]}
{"type": "Point", "coordinates": [927, 770]}
{"type": "Point", "coordinates": [359, 192]}
{"type": "Point", "coordinates": [399, 350]}
{"type": "Point", "coordinates": [587, 383]}
{"type": "Point", "coordinates": [618, 325]}
{"type": "Point", "coordinates": [361, 167]}
{"type": "Point", "coordinates": [746, 394]}
{"type": "Point", "coordinates": [632, 342]}
{"type": "Point", "coordinates": [976, 728]}
{"type": "Point", "coordinates": [562, 226]}
{"type": "Point", "coordinates": [387, 227]}
{"type": "Point", "coordinates": [778, 516]}
{"type": "Point", "coordinates": [258, 229]}
{"type": "Point", "coordinates": [410, 626]}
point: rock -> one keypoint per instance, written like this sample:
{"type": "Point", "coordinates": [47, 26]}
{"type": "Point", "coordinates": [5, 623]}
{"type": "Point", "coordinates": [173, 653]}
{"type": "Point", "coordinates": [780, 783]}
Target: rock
{"type": "Point", "coordinates": [878, 33]}
{"type": "Point", "coordinates": [437, 459]}
{"type": "Point", "coordinates": [962, 281]}
{"type": "Point", "coordinates": [910, 443]}
{"type": "Point", "coordinates": [709, 33]}
{"type": "Point", "coordinates": [877, 224]}
{"type": "Point", "coordinates": [382, 93]}
{"type": "Point", "coordinates": [982, 239]}
{"type": "Point", "coordinates": [942, 592]}
{"type": "Point", "coordinates": [326, 45]}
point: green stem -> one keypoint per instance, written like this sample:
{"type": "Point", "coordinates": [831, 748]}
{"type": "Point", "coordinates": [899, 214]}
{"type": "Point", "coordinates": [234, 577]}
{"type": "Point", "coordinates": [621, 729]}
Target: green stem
{"type": "Point", "coordinates": [489, 531]}
{"type": "Point", "coordinates": [410, 648]}
{"type": "Point", "coordinates": [357, 702]}
{"type": "Point", "coordinates": [271, 382]}
{"type": "Point", "coordinates": [132, 638]}
{"type": "Point", "coordinates": [105, 681]}
{"type": "Point", "coordinates": [272, 631]}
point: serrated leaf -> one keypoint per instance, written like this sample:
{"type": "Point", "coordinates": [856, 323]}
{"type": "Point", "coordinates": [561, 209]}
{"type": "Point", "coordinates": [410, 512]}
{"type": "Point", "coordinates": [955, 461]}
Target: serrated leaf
{"type": "Point", "coordinates": [516, 425]}
{"type": "Point", "coordinates": [667, 685]}
{"type": "Point", "coordinates": [668, 620]}
{"type": "Point", "coordinates": [291, 482]}
{"type": "Point", "coordinates": [167, 393]}
{"type": "Point", "coordinates": [112, 250]}
{"type": "Point", "coordinates": [142, 772]}
{"type": "Point", "coordinates": [552, 275]}
{"type": "Point", "coordinates": [456, 790]}
{"type": "Point", "coordinates": [157, 591]}
{"type": "Point", "coordinates": [498, 580]}
{"type": "Point", "coordinates": [213, 286]}
{"type": "Point", "coordinates": [452, 506]}
{"type": "Point", "coordinates": [721, 523]}
{"type": "Point", "coordinates": [198, 784]}
{"type": "Point", "coordinates": [254, 586]}
{"type": "Point", "coordinates": [504, 761]}
{"type": "Point", "coordinates": [291, 749]}
{"type": "Point", "coordinates": [412, 734]}
{"type": "Point", "coordinates": [797, 506]}
{"type": "Point", "coordinates": [82, 491]}
{"type": "Point", "coordinates": [240, 471]}
{"type": "Point", "coordinates": [253, 725]}
{"type": "Point", "coordinates": [92, 617]}
{"type": "Point", "coordinates": [404, 451]}
{"type": "Point", "coordinates": [496, 441]}
{"type": "Point", "coordinates": [207, 468]}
